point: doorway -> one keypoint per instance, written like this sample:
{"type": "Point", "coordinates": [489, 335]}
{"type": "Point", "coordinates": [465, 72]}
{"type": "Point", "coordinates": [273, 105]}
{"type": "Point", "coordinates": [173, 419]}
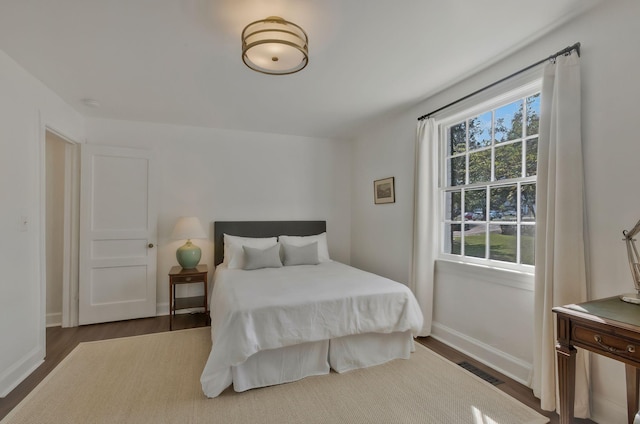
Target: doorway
{"type": "Point", "coordinates": [61, 230]}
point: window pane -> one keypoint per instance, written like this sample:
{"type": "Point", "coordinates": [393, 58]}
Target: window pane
{"type": "Point", "coordinates": [503, 243]}
{"type": "Point", "coordinates": [452, 239]}
{"type": "Point", "coordinates": [528, 203]}
{"type": "Point", "coordinates": [508, 161]}
{"type": "Point", "coordinates": [457, 135]}
{"type": "Point", "coordinates": [503, 203]}
{"type": "Point", "coordinates": [453, 206]}
{"type": "Point", "coordinates": [532, 157]}
{"type": "Point", "coordinates": [456, 171]}
{"type": "Point", "coordinates": [480, 131]}
{"type": "Point", "coordinates": [527, 244]}
{"type": "Point", "coordinates": [475, 242]}
{"type": "Point", "coordinates": [488, 199]}
{"type": "Point", "coordinates": [533, 114]}
{"type": "Point", "coordinates": [508, 122]}
{"type": "Point", "coordinates": [475, 204]}
{"type": "Point", "coordinates": [480, 166]}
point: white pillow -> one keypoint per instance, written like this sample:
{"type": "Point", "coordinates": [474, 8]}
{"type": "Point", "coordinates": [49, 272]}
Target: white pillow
{"type": "Point", "coordinates": [321, 239]}
{"type": "Point", "coordinates": [233, 252]}
{"type": "Point", "coordinates": [262, 258]}
{"type": "Point", "coordinates": [300, 255]}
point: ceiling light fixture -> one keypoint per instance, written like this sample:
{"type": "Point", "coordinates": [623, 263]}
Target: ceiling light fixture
{"type": "Point", "coordinates": [274, 46]}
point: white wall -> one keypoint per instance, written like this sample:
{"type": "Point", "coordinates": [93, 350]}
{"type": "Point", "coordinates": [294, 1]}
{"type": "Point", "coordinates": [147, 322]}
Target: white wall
{"type": "Point", "coordinates": [472, 312]}
{"type": "Point", "coordinates": [234, 175]}
{"type": "Point", "coordinates": [25, 107]}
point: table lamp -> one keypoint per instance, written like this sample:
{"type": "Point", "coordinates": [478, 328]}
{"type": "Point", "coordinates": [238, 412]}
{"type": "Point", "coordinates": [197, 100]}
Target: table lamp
{"type": "Point", "coordinates": [188, 227]}
{"type": "Point", "coordinates": [634, 263]}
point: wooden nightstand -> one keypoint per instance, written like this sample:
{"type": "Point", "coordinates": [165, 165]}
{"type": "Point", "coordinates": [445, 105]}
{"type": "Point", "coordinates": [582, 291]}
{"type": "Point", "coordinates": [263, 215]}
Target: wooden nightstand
{"type": "Point", "coordinates": [178, 275]}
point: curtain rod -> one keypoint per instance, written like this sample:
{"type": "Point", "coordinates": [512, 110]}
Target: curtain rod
{"type": "Point", "coordinates": [562, 52]}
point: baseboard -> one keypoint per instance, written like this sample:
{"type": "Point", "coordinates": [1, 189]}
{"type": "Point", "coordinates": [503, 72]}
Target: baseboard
{"type": "Point", "coordinates": [13, 376]}
{"type": "Point", "coordinates": [509, 365]}
{"type": "Point", "coordinates": [54, 320]}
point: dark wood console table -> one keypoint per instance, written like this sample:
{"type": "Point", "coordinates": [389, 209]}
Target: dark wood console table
{"type": "Point", "coordinates": [608, 327]}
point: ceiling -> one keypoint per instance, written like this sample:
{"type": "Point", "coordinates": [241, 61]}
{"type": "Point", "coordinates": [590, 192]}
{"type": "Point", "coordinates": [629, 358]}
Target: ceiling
{"type": "Point", "coordinates": [178, 61]}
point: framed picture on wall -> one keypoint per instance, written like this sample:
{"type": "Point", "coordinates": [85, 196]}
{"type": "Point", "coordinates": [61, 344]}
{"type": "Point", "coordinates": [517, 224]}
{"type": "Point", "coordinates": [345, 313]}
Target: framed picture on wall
{"type": "Point", "coordinates": [384, 191]}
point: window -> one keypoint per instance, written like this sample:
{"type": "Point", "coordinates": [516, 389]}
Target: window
{"type": "Point", "coordinates": [488, 181]}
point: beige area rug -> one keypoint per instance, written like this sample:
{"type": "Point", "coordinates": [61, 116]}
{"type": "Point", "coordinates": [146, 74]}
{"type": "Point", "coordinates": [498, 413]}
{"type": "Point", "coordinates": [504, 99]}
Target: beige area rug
{"type": "Point", "coordinates": [156, 379]}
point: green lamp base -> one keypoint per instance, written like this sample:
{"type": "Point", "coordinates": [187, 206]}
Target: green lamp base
{"type": "Point", "coordinates": [188, 255]}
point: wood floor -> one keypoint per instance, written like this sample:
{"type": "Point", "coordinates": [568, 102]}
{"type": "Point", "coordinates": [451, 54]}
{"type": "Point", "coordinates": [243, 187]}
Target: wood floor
{"type": "Point", "coordinates": [61, 341]}
{"type": "Point", "coordinates": [510, 386]}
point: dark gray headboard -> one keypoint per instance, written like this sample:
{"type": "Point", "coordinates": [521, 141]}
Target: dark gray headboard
{"type": "Point", "coordinates": [261, 229]}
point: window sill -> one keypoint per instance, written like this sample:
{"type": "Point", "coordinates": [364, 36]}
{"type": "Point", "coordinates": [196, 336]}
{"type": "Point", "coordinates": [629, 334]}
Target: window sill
{"type": "Point", "coordinates": [511, 278]}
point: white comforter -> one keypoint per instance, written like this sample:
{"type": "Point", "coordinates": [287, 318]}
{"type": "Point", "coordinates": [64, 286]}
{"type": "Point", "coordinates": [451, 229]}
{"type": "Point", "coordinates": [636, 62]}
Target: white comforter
{"type": "Point", "coordinates": [277, 307]}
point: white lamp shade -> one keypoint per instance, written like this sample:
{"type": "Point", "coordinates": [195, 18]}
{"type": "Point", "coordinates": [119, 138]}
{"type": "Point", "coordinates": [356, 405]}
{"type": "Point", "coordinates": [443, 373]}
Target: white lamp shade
{"type": "Point", "coordinates": [188, 227]}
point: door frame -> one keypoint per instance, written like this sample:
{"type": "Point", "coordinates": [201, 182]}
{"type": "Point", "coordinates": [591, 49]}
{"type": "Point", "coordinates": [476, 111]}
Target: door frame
{"type": "Point", "coordinates": [70, 230]}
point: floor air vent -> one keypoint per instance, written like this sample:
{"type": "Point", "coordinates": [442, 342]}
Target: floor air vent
{"type": "Point", "coordinates": [483, 375]}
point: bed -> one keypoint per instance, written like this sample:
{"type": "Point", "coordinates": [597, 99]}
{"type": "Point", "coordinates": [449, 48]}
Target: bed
{"type": "Point", "coordinates": [273, 325]}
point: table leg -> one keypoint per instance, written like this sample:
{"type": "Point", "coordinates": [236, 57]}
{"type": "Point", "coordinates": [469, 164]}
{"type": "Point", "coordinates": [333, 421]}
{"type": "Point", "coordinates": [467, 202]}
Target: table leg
{"type": "Point", "coordinates": [171, 290]}
{"type": "Point", "coordinates": [566, 381]}
{"type": "Point", "coordinates": [206, 299]}
{"type": "Point", "coordinates": [633, 381]}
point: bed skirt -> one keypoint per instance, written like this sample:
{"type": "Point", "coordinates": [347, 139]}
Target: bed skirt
{"type": "Point", "coordinates": [287, 364]}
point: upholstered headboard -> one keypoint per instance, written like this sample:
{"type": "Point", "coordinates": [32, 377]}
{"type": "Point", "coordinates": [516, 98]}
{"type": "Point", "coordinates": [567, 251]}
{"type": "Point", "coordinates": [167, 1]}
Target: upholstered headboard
{"type": "Point", "coordinates": [261, 229]}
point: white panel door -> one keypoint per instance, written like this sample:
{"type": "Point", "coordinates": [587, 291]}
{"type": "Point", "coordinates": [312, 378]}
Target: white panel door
{"type": "Point", "coordinates": [118, 217]}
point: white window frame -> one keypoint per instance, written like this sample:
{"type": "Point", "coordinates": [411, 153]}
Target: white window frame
{"type": "Point", "coordinates": [489, 101]}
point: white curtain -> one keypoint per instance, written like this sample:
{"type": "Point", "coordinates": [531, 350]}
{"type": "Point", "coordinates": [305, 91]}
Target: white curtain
{"type": "Point", "coordinates": [560, 271]}
{"type": "Point", "coordinates": [425, 224]}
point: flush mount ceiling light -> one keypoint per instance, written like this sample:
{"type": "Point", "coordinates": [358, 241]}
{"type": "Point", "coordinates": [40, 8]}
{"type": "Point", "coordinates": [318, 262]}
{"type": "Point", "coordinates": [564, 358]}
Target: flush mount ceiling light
{"type": "Point", "coordinates": [274, 46]}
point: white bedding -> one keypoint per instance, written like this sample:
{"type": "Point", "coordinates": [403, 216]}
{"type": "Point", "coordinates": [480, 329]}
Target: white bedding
{"type": "Point", "coordinates": [270, 308]}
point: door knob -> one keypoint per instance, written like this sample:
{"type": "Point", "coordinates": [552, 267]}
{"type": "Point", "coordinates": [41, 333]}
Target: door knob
{"type": "Point", "coordinates": [150, 245]}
